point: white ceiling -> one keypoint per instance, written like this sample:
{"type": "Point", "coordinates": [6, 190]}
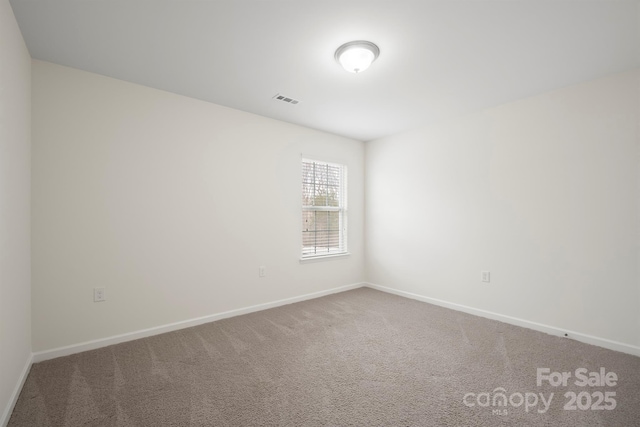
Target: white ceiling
{"type": "Point", "coordinates": [438, 59]}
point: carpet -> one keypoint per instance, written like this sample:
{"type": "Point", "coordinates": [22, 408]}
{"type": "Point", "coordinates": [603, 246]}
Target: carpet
{"type": "Point", "coordinates": [357, 358]}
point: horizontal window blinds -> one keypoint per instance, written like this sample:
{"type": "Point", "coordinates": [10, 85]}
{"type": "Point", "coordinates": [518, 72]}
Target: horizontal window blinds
{"type": "Point", "coordinates": [324, 219]}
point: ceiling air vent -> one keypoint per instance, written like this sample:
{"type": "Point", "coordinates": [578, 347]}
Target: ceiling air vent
{"type": "Point", "coordinates": [286, 99]}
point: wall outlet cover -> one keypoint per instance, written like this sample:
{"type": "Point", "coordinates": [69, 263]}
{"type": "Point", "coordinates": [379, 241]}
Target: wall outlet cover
{"type": "Point", "coordinates": [486, 276]}
{"type": "Point", "coordinates": [99, 295]}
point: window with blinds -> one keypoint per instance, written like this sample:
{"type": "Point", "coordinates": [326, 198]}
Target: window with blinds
{"type": "Point", "coordinates": [324, 208]}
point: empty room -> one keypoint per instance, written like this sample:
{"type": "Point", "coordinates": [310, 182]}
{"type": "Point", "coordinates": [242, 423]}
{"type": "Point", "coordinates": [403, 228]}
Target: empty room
{"type": "Point", "coordinates": [319, 213]}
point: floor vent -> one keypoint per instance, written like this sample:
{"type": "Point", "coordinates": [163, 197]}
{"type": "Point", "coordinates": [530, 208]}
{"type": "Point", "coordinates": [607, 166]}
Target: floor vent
{"type": "Point", "coordinates": [286, 99]}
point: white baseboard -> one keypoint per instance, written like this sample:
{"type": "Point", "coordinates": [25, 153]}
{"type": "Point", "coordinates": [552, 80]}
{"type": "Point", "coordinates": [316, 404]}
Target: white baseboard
{"type": "Point", "coordinates": [6, 415]}
{"type": "Point", "coordinates": [551, 330]}
{"type": "Point", "coordinates": [130, 336]}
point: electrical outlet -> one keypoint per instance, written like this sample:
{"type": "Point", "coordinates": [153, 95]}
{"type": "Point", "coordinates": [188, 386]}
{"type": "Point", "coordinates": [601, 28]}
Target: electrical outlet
{"type": "Point", "coordinates": [486, 276]}
{"type": "Point", "coordinates": [99, 295]}
{"type": "Point", "coordinates": [262, 271]}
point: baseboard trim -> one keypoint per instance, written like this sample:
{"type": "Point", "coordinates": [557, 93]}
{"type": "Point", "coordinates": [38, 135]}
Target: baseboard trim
{"type": "Point", "coordinates": [130, 336]}
{"type": "Point", "coordinates": [551, 330]}
{"type": "Point", "coordinates": [6, 415]}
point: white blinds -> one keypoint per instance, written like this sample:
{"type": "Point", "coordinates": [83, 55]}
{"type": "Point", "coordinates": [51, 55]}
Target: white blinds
{"type": "Point", "coordinates": [324, 219]}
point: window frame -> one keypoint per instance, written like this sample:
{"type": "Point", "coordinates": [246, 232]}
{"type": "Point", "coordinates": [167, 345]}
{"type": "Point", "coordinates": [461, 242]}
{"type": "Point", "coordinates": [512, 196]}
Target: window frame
{"type": "Point", "coordinates": [341, 209]}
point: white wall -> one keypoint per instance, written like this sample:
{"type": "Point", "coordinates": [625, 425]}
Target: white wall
{"type": "Point", "coordinates": [15, 182]}
{"type": "Point", "coordinates": [170, 203]}
{"type": "Point", "coordinates": [542, 192]}
{"type": "Point", "coordinates": [173, 203]}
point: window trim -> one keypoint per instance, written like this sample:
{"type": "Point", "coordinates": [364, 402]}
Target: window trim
{"type": "Point", "coordinates": [343, 209]}
{"type": "Point", "coordinates": [319, 258]}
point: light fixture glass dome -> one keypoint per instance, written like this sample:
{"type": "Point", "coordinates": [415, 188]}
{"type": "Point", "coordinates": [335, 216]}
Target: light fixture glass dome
{"type": "Point", "coordinates": [357, 56]}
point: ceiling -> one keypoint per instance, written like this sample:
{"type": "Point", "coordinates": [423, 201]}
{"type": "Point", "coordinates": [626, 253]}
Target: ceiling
{"type": "Point", "coordinates": [438, 59]}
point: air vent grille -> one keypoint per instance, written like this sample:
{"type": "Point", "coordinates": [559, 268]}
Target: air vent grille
{"type": "Point", "coordinates": [287, 99]}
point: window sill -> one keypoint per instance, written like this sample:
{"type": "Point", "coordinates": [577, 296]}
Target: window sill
{"type": "Point", "coordinates": [318, 258]}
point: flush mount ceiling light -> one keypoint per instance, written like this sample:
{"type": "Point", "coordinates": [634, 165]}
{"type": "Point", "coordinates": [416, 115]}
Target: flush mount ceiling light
{"type": "Point", "coordinates": [357, 56]}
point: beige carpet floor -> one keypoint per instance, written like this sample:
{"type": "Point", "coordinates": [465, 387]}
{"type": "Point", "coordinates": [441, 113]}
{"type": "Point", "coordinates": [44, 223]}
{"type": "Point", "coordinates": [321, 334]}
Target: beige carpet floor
{"type": "Point", "coordinates": [358, 358]}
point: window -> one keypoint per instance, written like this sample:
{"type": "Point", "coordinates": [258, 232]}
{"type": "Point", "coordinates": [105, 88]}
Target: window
{"type": "Point", "coordinates": [324, 209]}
